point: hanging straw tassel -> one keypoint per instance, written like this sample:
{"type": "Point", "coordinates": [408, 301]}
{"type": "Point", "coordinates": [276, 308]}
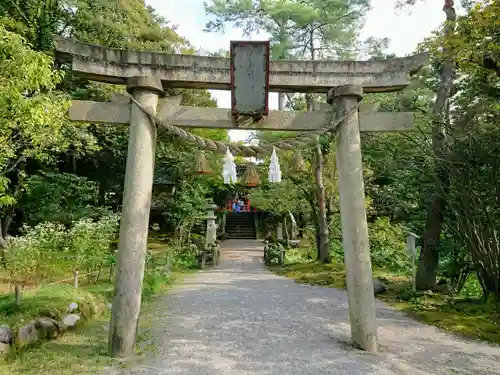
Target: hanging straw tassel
{"type": "Point", "coordinates": [274, 175]}
{"type": "Point", "coordinates": [298, 164]}
{"type": "Point", "coordinates": [251, 176]}
{"type": "Point", "coordinates": [202, 166]}
{"type": "Point", "coordinates": [229, 169]}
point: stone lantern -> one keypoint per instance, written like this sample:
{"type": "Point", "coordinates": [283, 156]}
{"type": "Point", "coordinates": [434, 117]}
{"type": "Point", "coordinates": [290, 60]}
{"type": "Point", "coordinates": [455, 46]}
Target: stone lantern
{"type": "Point", "coordinates": [211, 234]}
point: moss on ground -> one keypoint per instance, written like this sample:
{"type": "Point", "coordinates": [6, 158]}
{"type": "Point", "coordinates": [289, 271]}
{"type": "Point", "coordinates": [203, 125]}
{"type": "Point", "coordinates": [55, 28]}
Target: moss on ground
{"type": "Point", "coordinates": [82, 351]}
{"type": "Point", "coordinates": [469, 317]}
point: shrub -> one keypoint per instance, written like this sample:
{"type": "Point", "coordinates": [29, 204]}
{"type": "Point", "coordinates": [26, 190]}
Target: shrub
{"type": "Point", "coordinates": [101, 254]}
{"type": "Point", "coordinates": [29, 259]}
{"type": "Point", "coordinates": [388, 246]}
{"type": "Point", "coordinates": [47, 248]}
{"type": "Point", "coordinates": [79, 244]}
{"type": "Point", "coordinates": [23, 261]}
{"type": "Point", "coordinates": [154, 281]}
{"type": "Point", "coordinates": [89, 245]}
{"type": "Point", "coordinates": [184, 257]}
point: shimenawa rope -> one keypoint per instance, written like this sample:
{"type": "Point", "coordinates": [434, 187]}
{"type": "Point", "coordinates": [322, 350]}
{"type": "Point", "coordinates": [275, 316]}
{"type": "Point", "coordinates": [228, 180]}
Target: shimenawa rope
{"type": "Point", "coordinates": [299, 141]}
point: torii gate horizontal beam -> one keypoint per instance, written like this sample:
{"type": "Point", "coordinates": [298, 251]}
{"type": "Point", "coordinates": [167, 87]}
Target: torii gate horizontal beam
{"type": "Point", "coordinates": [118, 112]}
{"type": "Point", "coordinates": [115, 66]}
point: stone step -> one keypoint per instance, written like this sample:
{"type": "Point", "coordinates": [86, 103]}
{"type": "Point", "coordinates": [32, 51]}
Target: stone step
{"type": "Point", "coordinates": [240, 227]}
{"type": "Point", "coordinates": [235, 237]}
{"type": "Point", "coordinates": [238, 230]}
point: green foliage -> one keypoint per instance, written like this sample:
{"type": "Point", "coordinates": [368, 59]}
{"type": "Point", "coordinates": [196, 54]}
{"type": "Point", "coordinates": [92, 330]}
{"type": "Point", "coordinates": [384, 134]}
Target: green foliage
{"type": "Point", "coordinates": [30, 259]}
{"type": "Point", "coordinates": [60, 197]}
{"type": "Point", "coordinates": [153, 283]}
{"type": "Point", "coordinates": [475, 44]}
{"type": "Point", "coordinates": [162, 266]}
{"type": "Point", "coordinates": [465, 173]}
{"type": "Point", "coordinates": [36, 256]}
{"type": "Point", "coordinates": [23, 260]}
{"type": "Point", "coordinates": [33, 125]}
{"type": "Point", "coordinates": [295, 27]}
{"type": "Point", "coordinates": [32, 119]}
{"type": "Point", "coordinates": [184, 257]}
{"type": "Point", "coordinates": [277, 198]}
{"type": "Point", "coordinates": [388, 246]}
{"type": "Point", "coordinates": [156, 276]}
{"type": "Point", "coordinates": [89, 242]}
{"type": "Point", "coordinates": [125, 24]}
{"type": "Point", "coordinates": [80, 243]}
{"type": "Point", "coordinates": [88, 343]}
{"type": "Point", "coordinates": [39, 94]}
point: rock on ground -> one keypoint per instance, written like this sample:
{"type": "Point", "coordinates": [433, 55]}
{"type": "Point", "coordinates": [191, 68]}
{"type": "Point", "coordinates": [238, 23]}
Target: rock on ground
{"type": "Point", "coordinates": [4, 348]}
{"type": "Point", "coordinates": [379, 286]}
{"type": "Point", "coordinates": [241, 319]}
{"type": "Point", "coordinates": [72, 307]}
{"type": "Point", "coordinates": [71, 320]}
{"type": "Point", "coordinates": [6, 334]}
{"type": "Point", "coordinates": [47, 328]}
{"type": "Point", "coordinates": [27, 334]}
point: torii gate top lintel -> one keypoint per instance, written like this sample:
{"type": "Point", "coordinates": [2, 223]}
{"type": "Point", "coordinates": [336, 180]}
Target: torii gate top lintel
{"type": "Point", "coordinates": [116, 66]}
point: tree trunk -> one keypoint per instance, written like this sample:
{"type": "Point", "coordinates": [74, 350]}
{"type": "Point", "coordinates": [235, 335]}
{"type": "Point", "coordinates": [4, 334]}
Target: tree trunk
{"type": "Point", "coordinates": [323, 252]}
{"type": "Point", "coordinates": [98, 277]}
{"type": "Point", "coordinates": [4, 229]}
{"type": "Point", "coordinates": [75, 279]}
{"type": "Point", "coordinates": [3, 241]}
{"type": "Point", "coordinates": [17, 294]}
{"type": "Point", "coordinates": [429, 256]}
{"type": "Point", "coordinates": [101, 198]}
{"type": "Point", "coordinates": [7, 220]}
{"type": "Point", "coordinates": [321, 223]}
{"type": "Point", "coordinates": [111, 271]}
{"type": "Point", "coordinates": [4, 234]}
{"type": "Point", "coordinates": [330, 206]}
{"type": "Point", "coordinates": [316, 232]}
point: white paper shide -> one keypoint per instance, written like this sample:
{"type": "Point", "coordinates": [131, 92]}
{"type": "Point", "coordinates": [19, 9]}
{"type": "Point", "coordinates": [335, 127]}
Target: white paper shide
{"type": "Point", "coordinates": [274, 175]}
{"type": "Point", "coordinates": [229, 169]}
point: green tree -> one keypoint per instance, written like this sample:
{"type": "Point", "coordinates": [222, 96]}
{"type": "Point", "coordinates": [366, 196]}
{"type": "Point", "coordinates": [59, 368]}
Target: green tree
{"type": "Point", "coordinates": [33, 125]}
{"type": "Point", "coordinates": [330, 27]}
{"type": "Point", "coordinates": [122, 24]}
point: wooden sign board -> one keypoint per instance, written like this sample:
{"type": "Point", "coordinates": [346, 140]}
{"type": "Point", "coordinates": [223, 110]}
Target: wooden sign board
{"type": "Point", "coordinates": [249, 78]}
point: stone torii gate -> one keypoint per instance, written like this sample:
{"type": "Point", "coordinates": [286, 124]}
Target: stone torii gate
{"type": "Point", "coordinates": [147, 74]}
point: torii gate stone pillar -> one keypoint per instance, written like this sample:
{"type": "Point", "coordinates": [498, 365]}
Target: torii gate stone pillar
{"type": "Point", "coordinates": [135, 216]}
{"type": "Point", "coordinates": [353, 219]}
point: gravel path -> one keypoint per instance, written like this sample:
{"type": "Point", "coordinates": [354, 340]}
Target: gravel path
{"type": "Point", "coordinates": [241, 319]}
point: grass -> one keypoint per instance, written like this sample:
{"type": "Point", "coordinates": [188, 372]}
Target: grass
{"type": "Point", "coordinates": [52, 301]}
{"type": "Point", "coordinates": [82, 351]}
{"type": "Point", "coordinates": [466, 316]}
